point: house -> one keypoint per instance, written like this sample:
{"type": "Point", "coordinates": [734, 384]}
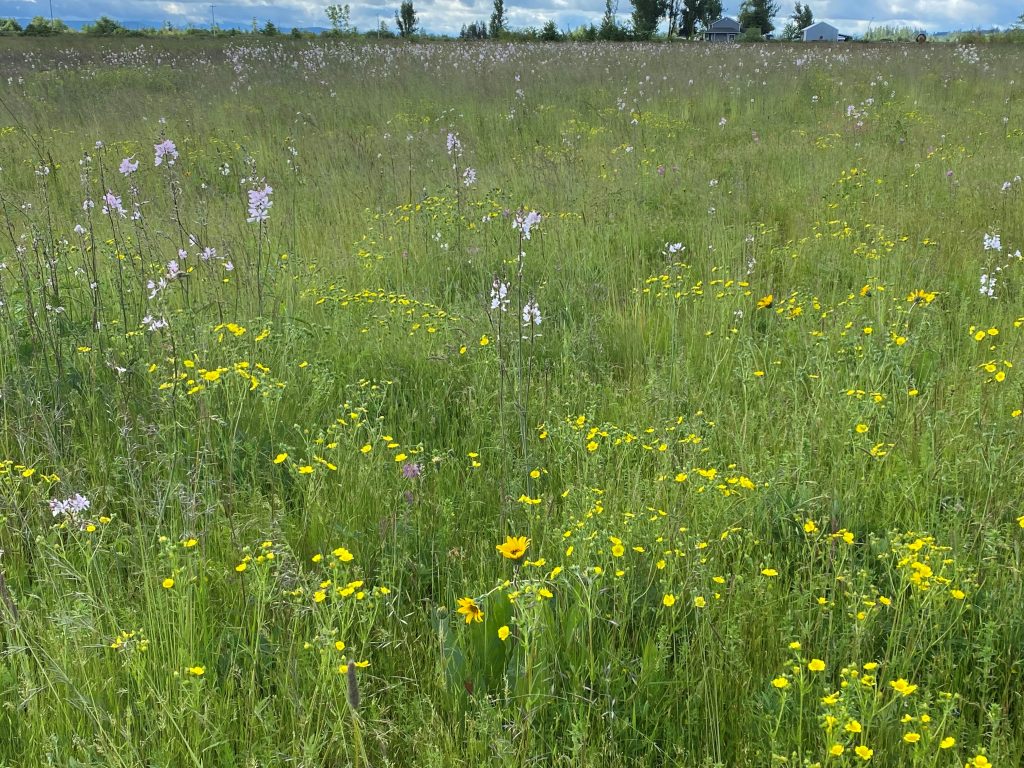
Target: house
{"type": "Point", "coordinates": [820, 31]}
{"type": "Point", "coordinates": [725, 30]}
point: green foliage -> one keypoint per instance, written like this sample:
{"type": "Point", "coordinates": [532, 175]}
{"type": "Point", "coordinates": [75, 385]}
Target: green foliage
{"type": "Point", "coordinates": [104, 25]}
{"type": "Point", "coordinates": [699, 14]}
{"type": "Point", "coordinates": [406, 19]}
{"type": "Point", "coordinates": [802, 16]}
{"type": "Point", "coordinates": [550, 33]}
{"type": "Point", "coordinates": [43, 27]}
{"type": "Point", "coordinates": [758, 14]}
{"type": "Point", "coordinates": [646, 16]}
{"type": "Point", "coordinates": [9, 25]}
{"type": "Point", "coordinates": [498, 25]}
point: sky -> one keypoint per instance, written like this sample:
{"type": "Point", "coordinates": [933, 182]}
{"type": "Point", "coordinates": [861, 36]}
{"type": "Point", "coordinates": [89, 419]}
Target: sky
{"type": "Point", "coordinates": [448, 16]}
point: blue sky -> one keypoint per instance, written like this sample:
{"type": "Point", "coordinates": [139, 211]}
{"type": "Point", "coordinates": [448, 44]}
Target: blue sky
{"type": "Point", "coordinates": [851, 16]}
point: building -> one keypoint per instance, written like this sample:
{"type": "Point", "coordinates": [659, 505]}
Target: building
{"type": "Point", "coordinates": [725, 30]}
{"type": "Point", "coordinates": [820, 31]}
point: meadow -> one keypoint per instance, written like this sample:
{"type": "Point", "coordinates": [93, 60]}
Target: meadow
{"type": "Point", "coordinates": [464, 404]}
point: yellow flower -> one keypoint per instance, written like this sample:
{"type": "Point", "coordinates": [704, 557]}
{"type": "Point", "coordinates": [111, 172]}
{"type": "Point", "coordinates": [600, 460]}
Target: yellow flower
{"type": "Point", "coordinates": [514, 547]}
{"type": "Point", "coordinates": [911, 737]}
{"type": "Point", "coordinates": [947, 742]}
{"type": "Point", "coordinates": [503, 633]}
{"type": "Point", "coordinates": [241, 567]}
{"type": "Point", "coordinates": [699, 601]}
{"type": "Point", "coordinates": [196, 671]}
{"type": "Point", "coordinates": [902, 686]}
{"type": "Point", "coordinates": [862, 428]}
{"type": "Point", "coordinates": [780, 682]}
{"type": "Point", "coordinates": [816, 665]}
{"type": "Point", "coordinates": [618, 550]}
{"type": "Point", "coordinates": [765, 302]}
{"type": "Point", "coordinates": [769, 572]}
{"type": "Point", "coordinates": [167, 583]}
{"type": "Point", "coordinates": [342, 554]}
{"type": "Point", "coordinates": [668, 601]}
{"type": "Point", "coordinates": [957, 594]}
{"type": "Point", "coordinates": [305, 469]}
{"type": "Point", "coordinates": [545, 593]}
{"type": "Point", "coordinates": [190, 542]}
{"type": "Point", "coordinates": [810, 527]}
{"type": "Point", "coordinates": [853, 726]}
{"type": "Point", "coordinates": [319, 596]}
{"type": "Point", "coordinates": [979, 761]}
{"type": "Point", "coordinates": [469, 608]}
{"type": "Point", "coordinates": [795, 645]}
{"type": "Point", "coordinates": [280, 458]}
{"type": "Point", "coordinates": [484, 341]}
{"type": "Point", "coordinates": [864, 753]}
{"type": "Point", "coordinates": [836, 750]}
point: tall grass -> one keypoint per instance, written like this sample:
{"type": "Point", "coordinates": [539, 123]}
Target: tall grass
{"type": "Point", "coordinates": [762, 443]}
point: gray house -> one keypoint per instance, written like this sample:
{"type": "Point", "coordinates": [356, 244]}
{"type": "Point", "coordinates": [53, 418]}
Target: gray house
{"type": "Point", "coordinates": [820, 31]}
{"type": "Point", "coordinates": [725, 30]}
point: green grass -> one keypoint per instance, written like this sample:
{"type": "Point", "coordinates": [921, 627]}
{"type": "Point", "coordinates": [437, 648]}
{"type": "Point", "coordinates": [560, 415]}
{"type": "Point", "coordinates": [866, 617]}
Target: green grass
{"type": "Point", "coordinates": [730, 460]}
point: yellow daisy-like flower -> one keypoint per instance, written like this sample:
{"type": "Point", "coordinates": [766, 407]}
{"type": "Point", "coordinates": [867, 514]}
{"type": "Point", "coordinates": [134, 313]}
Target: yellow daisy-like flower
{"type": "Point", "coordinates": [780, 682]}
{"type": "Point", "coordinates": [469, 608]}
{"type": "Point", "coordinates": [836, 750]}
{"type": "Point", "coordinates": [769, 572]}
{"type": "Point", "coordinates": [902, 686]}
{"type": "Point", "coordinates": [280, 458]}
{"type": "Point", "coordinates": [503, 633]}
{"type": "Point", "coordinates": [911, 737]}
{"type": "Point", "coordinates": [196, 671]}
{"type": "Point", "coordinates": [514, 547]}
{"type": "Point", "coordinates": [668, 601]}
{"type": "Point", "coordinates": [816, 665]}
{"type": "Point", "coordinates": [765, 302]}
{"type": "Point", "coordinates": [864, 753]}
{"type": "Point", "coordinates": [167, 583]}
{"type": "Point", "coordinates": [947, 742]}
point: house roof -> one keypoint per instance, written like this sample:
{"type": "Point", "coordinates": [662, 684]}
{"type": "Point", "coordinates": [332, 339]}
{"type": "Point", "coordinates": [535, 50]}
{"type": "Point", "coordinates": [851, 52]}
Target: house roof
{"type": "Point", "coordinates": [820, 25]}
{"type": "Point", "coordinates": [725, 24]}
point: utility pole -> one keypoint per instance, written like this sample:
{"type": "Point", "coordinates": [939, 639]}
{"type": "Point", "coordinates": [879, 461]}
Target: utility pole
{"type": "Point", "coordinates": [213, 18]}
{"type": "Point", "coordinates": [51, 11]}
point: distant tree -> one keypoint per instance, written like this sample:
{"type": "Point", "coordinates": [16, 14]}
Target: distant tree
{"type": "Point", "coordinates": [297, 33]}
{"type": "Point", "coordinates": [802, 16]}
{"type": "Point", "coordinates": [340, 17]}
{"type": "Point", "coordinates": [750, 35]}
{"type": "Point", "coordinates": [9, 25]}
{"type": "Point", "coordinates": [1019, 23]}
{"type": "Point", "coordinates": [757, 14]}
{"type": "Point", "coordinates": [498, 19]}
{"type": "Point", "coordinates": [646, 15]}
{"type": "Point", "coordinates": [610, 29]}
{"type": "Point", "coordinates": [105, 25]}
{"type": "Point", "coordinates": [475, 30]}
{"type": "Point", "coordinates": [702, 12]}
{"type": "Point", "coordinates": [550, 32]}
{"type": "Point", "coordinates": [40, 26]}
{"type": "Point", "coordinates": [270, 29]}
{"type": "Point", "coordinates": [406, 20]}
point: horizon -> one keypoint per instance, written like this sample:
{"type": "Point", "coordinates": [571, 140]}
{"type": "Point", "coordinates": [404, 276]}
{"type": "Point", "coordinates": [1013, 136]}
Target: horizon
{"type": "Point", "coordinates": [447, 17]}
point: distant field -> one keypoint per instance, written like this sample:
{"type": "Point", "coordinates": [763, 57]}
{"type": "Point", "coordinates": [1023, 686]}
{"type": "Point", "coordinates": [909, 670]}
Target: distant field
{"type": "Point", "coordinates": [732, 337]}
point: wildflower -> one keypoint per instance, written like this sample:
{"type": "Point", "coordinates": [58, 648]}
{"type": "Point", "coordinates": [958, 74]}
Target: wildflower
{"type": "Point", "coordinates": [700, 602]}
{"type": "Point", "coordinates": [469, 608]}
{"type": "Point", "coordinates": [453, 144]}
{"type": "Point", "coordinates": [862, 428]}
{"type": "Point", "coordinates": [947, 742]}
{"type": "Point", "coordinates": [70, 506]}
{"type": "Point", "coordinates": [780, 682]}
{"type": "Point", "coordinates": [531, 313]}
{"type": "Point", "coordinates": [514, 547]}
{"type": "Point", "coordinates": [196, 671]}
{"type": "Point", "coordinates": [112, 204]}
{"type": "Point", "coordinates": [503, 633]}
{"type": "Point", "coordinates": [280, 458]}
{"type": "Point", "coordinates": [411, 470]}
{"type": "Point", "coordinates": [903, 687]}
{"type": "Point", "coordinates": [668, 600]}
{"type": "Point", "coordinates": [863, 752]}
{"type": "Point", "coordinates": [167, 583]}
{"type": "Point", "coordinates": [992, 242]}
{"type": "Point", "coordinates": [499, 295]}
{"type": "Point", "coordinates": [765, 302]}
{"type": "Point", "coordinates": [853, 726]}
{"type": "Point", "coordinates": [469, 177]}
{"type": "Point", "coordinates": [524, 222]}
{"type": "Point", "coordinates": [911, 737]}
{"type": "Point", "coordinates": [769, 572]}
{"type": "Point", "coordinates": [816, 665]}
{"type": "Point", "coordinates": [165, 150]}
{"type": "Point", "coordinates": [241, 567]}
{"type": "Point", "coordinates": [259, 204]}
{"type": "Point", "coordinates": [978, 761]}
{"type": "Point", "coordinates": [836, 750]}
{"type": "Point", "coordinates": [127, 167]}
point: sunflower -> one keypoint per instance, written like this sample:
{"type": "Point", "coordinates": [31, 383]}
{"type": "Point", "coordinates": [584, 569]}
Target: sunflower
{"type": "Point", "coordinates": [469, 608]}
